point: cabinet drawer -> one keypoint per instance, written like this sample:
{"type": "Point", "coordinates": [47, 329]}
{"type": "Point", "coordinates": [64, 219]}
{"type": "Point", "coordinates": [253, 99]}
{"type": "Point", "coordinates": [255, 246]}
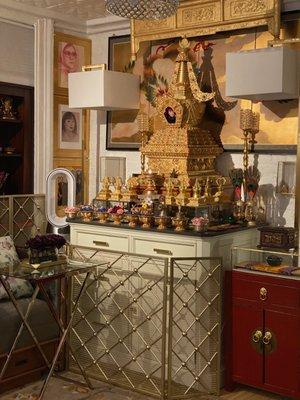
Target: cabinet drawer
{"type": "Point", "coordinates": [102, 241]}
{"type": "Point", "coordinates": [165, 249]}
{"type": "Point", "coordinates": [280, 294]}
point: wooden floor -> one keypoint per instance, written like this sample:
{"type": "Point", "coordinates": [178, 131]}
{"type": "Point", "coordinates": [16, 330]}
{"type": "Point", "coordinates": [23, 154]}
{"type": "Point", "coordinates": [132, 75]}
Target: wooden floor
{"type": "Point", "coordinates": [246, 393]}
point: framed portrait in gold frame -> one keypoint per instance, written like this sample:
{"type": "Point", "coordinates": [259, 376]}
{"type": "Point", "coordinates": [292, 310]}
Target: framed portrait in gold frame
{"type": "Point", "coordinates": [75, 166]}
{"type": "Point", "coordinates": [70, 54]}
{"type": "Point", "coordinates": [69, 129]}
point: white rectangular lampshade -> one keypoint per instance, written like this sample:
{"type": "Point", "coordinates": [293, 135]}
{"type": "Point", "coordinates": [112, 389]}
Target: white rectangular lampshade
{"type": "Point", "coordinates": [103, 89]}
{"type": "Point", "coordinates": [264, 74]}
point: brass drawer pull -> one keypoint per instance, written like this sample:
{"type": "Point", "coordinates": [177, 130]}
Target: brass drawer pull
{"type": "Point", "coordinates": [103, 244]}
{"type": "Point", "coordinates": [263, 294]}
{"type": "Point", "coordinates": [267, 338]}
{"type": "Point", "coordinates": [162, 251]}
{"type": "Point", "coordinates": [256, 337]}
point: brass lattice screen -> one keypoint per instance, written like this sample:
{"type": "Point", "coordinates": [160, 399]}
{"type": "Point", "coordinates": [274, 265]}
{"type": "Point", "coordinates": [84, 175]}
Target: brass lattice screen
{"type": "Point", "coordinates": [150, 324]}
{"type": "Point", "coordinates": [22, 216]}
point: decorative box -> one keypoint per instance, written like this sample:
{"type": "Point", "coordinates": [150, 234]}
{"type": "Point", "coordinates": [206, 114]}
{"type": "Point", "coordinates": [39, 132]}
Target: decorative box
{"type": "Point", "coordinates": [278, 237]}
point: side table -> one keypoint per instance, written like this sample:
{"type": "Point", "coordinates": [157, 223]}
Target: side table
{"type": "Point", "coordinates": [38, 278]}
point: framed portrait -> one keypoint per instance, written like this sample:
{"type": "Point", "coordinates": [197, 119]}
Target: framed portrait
{"type": "Point", "coordinates": [69, 129]}
{"type": "Point", "coordinates": [75, 166]}
{"type": "Point", "coordinates": [70, 54]}
{"type": "Point", "coordinates": [122, 128]}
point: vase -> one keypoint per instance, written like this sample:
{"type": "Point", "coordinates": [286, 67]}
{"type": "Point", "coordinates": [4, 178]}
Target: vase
{"type": "Point", "coordinates": [117, 218]}
{"type": "Point", "coordinates": [36, 256]}
{"type": "Point", "coordinates": [101, 216]}
{"type": "Point", "coordinates": [133, 220]}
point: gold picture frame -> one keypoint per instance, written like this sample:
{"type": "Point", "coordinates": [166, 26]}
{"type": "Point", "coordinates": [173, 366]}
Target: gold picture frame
{"type": "Point", "coordinates": [71, 53]}
{"type": "Point", "coordinates": [74, 165]}
{"type": "Point", "coordinates": [69, 129]}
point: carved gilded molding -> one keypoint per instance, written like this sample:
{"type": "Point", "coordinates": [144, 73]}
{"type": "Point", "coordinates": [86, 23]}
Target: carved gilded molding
{"type": "Point", "coordinates": [203, 17]}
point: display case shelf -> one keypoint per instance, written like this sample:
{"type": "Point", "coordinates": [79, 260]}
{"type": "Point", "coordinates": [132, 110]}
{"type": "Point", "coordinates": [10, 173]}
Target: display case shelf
{"type": "Point", "coordinates": [266, 261]}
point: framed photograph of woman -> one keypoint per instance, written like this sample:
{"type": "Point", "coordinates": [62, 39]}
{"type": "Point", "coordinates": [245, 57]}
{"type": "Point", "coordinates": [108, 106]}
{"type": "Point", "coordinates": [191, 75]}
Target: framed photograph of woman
{"type": "Point", "coordinates": [69, 127]}
{"type": "Point", "coordinates": [74, 165]}
{"type": "Point", "coordinates": [70, 54]}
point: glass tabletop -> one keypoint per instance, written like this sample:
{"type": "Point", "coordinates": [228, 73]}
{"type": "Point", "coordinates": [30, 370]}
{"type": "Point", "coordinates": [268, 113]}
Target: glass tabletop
{"type": "Point", "coordinates": [58, 270]}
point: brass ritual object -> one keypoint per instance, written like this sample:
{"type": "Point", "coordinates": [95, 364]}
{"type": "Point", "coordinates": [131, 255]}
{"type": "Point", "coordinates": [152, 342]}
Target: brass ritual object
{"type": "Point", "coordinates": [102, 217]}
{"type": "Point", "coordinates": [162, 222]}
{"type": "Point", "coordinates": [196, 200]}
{"type": "Point", "coordinates": [179, 143]}
{"type": "Point", "coordinates": [118, 184]}
{"type": "Point", "coordinates": [87, 216]}
{"type": "Point", "coordinates": [146, 221]}
{"type": "Point", "coordinates": [180, 222]}
{"type": "Point", "coordinates": [182, 198]}
{"type": "Point", "coordinates": [105, 192]}
{"type": "Point", "coordinates": [133, 220]}
{"type": "Point", "coordinates": [220, 195]}
{"type": "Point", "coordinates": [169, 191]}
{"type": "Point", "coordinates": [131, 190]}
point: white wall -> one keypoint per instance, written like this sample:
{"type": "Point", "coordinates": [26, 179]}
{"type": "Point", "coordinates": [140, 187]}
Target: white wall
{"type": "Point", "coordinates": [280, 209]}
{"type": "Point", "coordinates": [17, 54]}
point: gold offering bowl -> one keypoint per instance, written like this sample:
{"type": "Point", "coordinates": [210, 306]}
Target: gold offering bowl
{"type": "Point", "coordinates": [117, 218]}
{"type": "Point", "coordinates": [133, 220]}
{"type": "Point", "coordinates": [180, 223]}
{"type": "Point", "coordinates": [146, 220]}
{"type": "Point", "coordinates": [101, 216]}
{"type": "Point", "coordinates": [71, 214]}
{"type": "Point", "coordinates": [87, 216]}
{"type": "Point", "coordinates": [162, 222]}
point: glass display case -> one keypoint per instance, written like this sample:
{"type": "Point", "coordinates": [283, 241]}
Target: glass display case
{"type": "Point", "coordinates": [266, 260]}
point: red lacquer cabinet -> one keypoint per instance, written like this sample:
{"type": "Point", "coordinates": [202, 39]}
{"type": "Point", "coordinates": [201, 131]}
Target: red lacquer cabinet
{"type": "Point", "coordinates": [263, 335]}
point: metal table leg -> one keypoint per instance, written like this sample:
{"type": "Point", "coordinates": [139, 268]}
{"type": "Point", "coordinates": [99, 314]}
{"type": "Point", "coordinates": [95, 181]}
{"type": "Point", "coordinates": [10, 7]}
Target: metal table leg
{"type": "Point", "coordinates": [64, 336]}
{"type": "Point", "coordinates": [24, 320]}
{"type": "Point", "coordinates": [62, 329]}
{"type": "Point", "coordinates": [32, 300]}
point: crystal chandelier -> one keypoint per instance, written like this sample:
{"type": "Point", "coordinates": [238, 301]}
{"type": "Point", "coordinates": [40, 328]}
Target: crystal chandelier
{"type": "Point", "coordinates": [142, 9]}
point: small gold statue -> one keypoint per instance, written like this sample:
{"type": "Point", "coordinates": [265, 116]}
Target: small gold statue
{"type": "Point", "coordinates": [220, 195]}
{"type": "Point", "coordinates": [196, 200]}
{"type": "Point", "coordinates": [182, 198]}
{"type": "Point", "coordinates": [207, 197]}
{"type": "Point", "coordinates": [6, 109]}
{"type": "Point", "coordinates": [169, 188]}
{"type": "Point", "coordinates": [130, 192]}
{"type": "Point", "coordinates": [118, 184]}
{"type": "Point", "coordinates": [105, 192]}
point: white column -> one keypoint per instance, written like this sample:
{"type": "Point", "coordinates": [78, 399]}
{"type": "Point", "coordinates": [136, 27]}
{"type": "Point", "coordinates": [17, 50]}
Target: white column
{"type": "Point", "coordinates": [43, 107]}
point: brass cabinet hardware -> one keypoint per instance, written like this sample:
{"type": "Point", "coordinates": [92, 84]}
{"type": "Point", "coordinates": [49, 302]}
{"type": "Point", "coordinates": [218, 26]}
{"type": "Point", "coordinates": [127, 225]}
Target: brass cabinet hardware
{"type": "Point", "coordinates": [267, 338]}
{"type": "Point", "coordinates": [162, 251]}
{"type": "Point", "coordinates": [257, 335]}
{"type": "Point", "coordinates": [263, 294]}
{"type": "Point", "coordinates": [103, 244]}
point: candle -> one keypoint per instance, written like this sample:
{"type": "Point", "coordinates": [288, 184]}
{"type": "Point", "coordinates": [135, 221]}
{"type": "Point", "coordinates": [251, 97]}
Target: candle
{"type": "Point", "coordinates": [246, 119]}
{"type": "Point", "coordinates": [242, 192]}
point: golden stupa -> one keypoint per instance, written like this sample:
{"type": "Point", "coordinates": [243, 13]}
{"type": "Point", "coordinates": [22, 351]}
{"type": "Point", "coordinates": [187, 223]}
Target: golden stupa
{"type": "Point", "coordinates": [179, 145]}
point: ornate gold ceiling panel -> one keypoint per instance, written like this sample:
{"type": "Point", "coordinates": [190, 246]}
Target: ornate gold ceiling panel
{"type": "Point", "coordinates": [204, 17]}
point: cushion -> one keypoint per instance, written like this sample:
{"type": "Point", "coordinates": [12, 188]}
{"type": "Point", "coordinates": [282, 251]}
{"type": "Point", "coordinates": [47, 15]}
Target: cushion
{"type": "Point", "coordinates": [8, 253]}
{"type": "Point", "coordinates": [19, 287]}
{"type": "Point", "coordinates": [9, 256]}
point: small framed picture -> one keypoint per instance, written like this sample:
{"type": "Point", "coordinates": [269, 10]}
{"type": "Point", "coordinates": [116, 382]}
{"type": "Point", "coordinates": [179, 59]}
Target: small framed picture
{"type": "Point", "coordinates": [69, 127]}
{"type": "Point", "coordinates": [74, 165]}
{"type": "Point", "coordinates": [70, 55]}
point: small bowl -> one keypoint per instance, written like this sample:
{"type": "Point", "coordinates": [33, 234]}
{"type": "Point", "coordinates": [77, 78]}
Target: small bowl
{"type": "Point", "coordinates": [274, 261]}
{"type": "Point", "coordinates": [9, 150]}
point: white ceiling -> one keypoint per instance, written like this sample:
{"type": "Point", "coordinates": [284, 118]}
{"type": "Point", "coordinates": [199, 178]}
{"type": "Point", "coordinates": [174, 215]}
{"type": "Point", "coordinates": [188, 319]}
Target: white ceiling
{"type": "Point", "coordinates": [82, 9]}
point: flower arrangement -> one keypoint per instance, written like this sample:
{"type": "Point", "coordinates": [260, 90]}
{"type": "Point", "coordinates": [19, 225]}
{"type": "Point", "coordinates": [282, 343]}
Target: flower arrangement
{"type": "Point", "coordinates": [117, 209]}
{"type": "Point", "coordinates": [200, 223]}
{"type": "Point", "coordinates": [71, 210]}
{"type": "Point", "coordinates": [40, 242]}
{"type": "Point", "coordinates": [44, 247]}
{"type": "Point", "coordinates": [101, 209]}
{"type": "Point", "coordinates": [87, 208]}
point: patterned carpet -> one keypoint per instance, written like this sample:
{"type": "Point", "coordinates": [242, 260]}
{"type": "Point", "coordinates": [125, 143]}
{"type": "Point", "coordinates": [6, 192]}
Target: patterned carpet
{"type": "Point", "coordinates": [62, 390]}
